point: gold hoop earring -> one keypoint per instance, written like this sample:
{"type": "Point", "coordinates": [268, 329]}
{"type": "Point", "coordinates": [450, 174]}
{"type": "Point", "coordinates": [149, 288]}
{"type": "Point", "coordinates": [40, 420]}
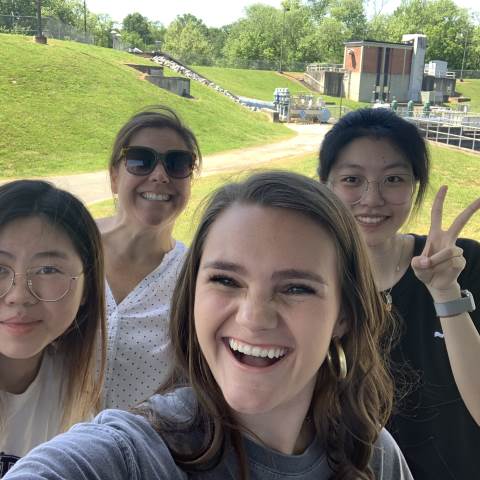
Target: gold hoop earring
{"type": "Point", "coordinates": [341, 372]}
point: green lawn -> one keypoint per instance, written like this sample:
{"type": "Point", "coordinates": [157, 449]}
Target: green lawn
{"type": "Point", "coordinates": [461, 169]}
{"type": "Point", "coordinates": [63, 103]}
{"type": "Point", "coordinates": [258, 84]}
{"type": "Point", "coordinates": [470, 87]}
{"type": "Point", "coordinates": [261, 84]}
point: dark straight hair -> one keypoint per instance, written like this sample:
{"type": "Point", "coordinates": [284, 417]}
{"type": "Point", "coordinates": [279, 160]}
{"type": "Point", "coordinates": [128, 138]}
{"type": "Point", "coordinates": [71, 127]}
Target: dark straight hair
{"type": "Point", "coordinates": [82, 343]}
{"type": "Point", "coordinates": [379, 124]}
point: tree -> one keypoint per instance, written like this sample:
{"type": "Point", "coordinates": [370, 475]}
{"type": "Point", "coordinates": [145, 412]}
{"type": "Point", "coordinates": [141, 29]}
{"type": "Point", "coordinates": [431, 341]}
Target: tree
{"type": "Point", "coordinates": [17, 16]}
{"type": "Point", "coordinates": [135, 23]}
{"type": "Point", "coordinates": [318, 8]}
{"type": "Point", "coordinates": [351, 14]}
{"type": "Point", "coordinates": [442, 21]}
{"type": "Point", "coordinates": [267, 32]}
{"type": "Point", "coordinates": [187, 39]}
{"type": "Point", "coordinates": [100, 26]}
{"type": "Point", "coordinates": [330, 36]}
{"type": "Point", "coordinates": [157, 32]}
{"type": "Point", "coordinates": [70, 12]}
{"type": "Point", "coordinates": [217, 38]}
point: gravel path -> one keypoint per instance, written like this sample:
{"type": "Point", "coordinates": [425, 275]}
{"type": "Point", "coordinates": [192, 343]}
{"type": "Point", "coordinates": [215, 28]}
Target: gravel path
{"type": "Point", "coordinates": [94, 187]}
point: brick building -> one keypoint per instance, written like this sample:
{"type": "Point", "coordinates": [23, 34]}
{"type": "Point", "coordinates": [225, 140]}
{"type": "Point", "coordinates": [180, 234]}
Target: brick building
{"type": "Point", "coordinates": [383, 70]}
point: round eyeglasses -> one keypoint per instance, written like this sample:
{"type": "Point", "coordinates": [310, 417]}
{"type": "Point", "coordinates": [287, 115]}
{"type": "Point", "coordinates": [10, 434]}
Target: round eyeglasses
{"type": "Point", "coordinates": [395, 189]}
{"type": "Point", "coordinates": [45, 283]}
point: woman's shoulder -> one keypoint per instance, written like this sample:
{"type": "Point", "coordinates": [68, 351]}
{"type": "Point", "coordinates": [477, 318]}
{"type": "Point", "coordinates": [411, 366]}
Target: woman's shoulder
{"type": "Point", "coordinates": [471, 248]}
{"type": "Point", "coordinates": [104, 224]}
{"type": "Point", "coordinates": [116, 444]}
{"type": "Point", "coordinates": [388, 462]}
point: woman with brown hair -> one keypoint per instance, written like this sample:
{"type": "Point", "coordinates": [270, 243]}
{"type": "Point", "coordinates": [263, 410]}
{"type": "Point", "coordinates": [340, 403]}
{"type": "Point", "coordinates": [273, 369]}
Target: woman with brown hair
{"type": "Point", "coordinates": [279, 364]}
{"type": "Point", "coordinates": [52, 316]}
{"type": "Point", "coordinates": [151, 167]}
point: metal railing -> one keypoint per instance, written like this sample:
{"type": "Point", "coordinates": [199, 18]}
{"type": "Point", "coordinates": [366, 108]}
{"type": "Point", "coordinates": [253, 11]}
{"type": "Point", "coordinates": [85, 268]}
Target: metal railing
{"type": "Point", "coordinates": [454, 129]}
{"type": "Point", "coordinates": [326, 67]}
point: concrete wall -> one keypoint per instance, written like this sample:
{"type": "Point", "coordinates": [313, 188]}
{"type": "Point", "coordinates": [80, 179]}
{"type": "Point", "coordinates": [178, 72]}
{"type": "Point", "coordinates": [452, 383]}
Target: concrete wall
{"type": "Point", "coordinates": [418, 64]}
{"type": "Point", "coordinates": [325, 82]}
{"type": "Point", "coordinates": [445, 85]}
{"type": "Point", "coordinates": [351, 86]}
{"type": "Point", "coordinates": [178, 85]}
{"type": "Point", "coordinates": [150, 70]}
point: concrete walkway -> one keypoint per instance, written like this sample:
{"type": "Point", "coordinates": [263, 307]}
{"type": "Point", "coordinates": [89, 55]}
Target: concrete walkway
{"type": "Point", "coordinates": [94, 187]}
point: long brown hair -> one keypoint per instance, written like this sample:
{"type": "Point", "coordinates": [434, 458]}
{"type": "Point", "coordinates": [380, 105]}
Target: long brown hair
{"type": "Point", "coordinates": [348, 414]}
{"type": "Point", "coordinates": [81, 348]}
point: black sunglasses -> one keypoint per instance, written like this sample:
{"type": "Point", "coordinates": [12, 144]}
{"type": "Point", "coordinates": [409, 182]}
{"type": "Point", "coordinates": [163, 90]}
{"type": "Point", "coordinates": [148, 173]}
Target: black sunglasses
{"type": "Point", "coordinates": [143, 160]}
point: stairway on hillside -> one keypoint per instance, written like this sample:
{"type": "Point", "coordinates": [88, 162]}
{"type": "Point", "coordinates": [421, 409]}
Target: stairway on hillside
{"type": "Point", "coordinates": [176, 66]}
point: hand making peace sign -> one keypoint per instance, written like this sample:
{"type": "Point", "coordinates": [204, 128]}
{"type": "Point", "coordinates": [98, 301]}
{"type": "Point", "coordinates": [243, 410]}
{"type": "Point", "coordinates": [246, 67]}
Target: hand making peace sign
{"type": "Point", "coordinates": [441, 261]}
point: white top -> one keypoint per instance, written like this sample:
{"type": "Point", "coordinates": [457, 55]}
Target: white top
{"type": "Point", "coordinates": [138, 355]}
{"type": "Point", "coordinates": [34, 416]}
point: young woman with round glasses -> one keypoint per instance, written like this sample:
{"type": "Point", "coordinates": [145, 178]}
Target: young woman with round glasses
{"type": "Point", "coordinates": [279, 362]}
{"type": "Point", "coordinates": [52, 316]}
{"type": "Point", "coordinates": [151, 166]}
{"type": "Point", "coordinates": [378, 164]}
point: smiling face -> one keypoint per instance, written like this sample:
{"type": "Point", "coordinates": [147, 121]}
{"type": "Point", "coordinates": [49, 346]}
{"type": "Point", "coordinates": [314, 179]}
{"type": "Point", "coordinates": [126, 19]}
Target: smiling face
{"type": "Point", "coordinates": [266, 304]}
{"type": "Point", "coordinates": [373, 159]}
{"type": "Point", "coordinates": [28, 325]}
{"type": "Point", "coordinates": [155, 199]}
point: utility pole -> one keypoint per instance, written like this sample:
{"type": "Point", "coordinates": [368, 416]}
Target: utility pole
{"type": "Point", "coordinates": [285, 9]}
{"type": "Point", "coordinates": [464, 53]}
{"type": "Point", "coordinates": [39, 37]}
{"type": "Point", "coordinates": [85, 18]}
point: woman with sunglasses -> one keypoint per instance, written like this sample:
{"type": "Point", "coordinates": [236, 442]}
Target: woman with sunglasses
{"type": "Point", "coordinates": [279, 363]}
{"type": "Point", "coordinates": [378, 164]}
{"type": "Point", "coordinates": [151, 166]}
{"type": "Point", "coordinates": [52, 316]}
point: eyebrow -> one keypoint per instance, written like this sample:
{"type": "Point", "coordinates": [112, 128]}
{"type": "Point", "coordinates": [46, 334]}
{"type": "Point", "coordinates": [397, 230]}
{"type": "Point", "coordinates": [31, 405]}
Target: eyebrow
{"type": "Point", "coordinates": [47, 254]}
{"type": "Point", "coordinates": [388, 167]}
{"type": "Point", "coordinates": [222, 265]}
{"type": "Point", "coordinates": [300, 274]}
{"type": "Point", "coordinates": [52, 253]}
{"type": "Point", "coordinates": [278, 275]}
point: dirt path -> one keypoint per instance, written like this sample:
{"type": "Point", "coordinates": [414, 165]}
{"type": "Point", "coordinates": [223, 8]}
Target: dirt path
{"type": "Point", "coordinates": [94, 187]}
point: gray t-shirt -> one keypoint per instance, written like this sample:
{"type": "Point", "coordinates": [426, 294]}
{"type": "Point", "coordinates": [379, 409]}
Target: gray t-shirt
{"type": "Point", "coordinates": [122, 446]}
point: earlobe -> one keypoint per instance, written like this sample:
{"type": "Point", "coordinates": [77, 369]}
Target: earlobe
{"type": "Point", "coordinates": [341, 327]}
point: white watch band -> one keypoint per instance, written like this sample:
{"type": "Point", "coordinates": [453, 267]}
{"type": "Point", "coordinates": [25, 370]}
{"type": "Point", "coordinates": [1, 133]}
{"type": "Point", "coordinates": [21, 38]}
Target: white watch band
{"type": "Point", "coordinates": [456, 307]}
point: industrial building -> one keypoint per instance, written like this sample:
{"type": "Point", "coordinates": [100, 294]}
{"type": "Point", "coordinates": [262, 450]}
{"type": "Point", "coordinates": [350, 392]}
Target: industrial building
{"type": "Point", "coordinates": [381, 71]}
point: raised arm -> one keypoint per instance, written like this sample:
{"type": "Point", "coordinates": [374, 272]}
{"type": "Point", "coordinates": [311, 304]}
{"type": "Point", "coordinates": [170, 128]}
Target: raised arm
{"type": "Point", "coordinates": [438, 267]}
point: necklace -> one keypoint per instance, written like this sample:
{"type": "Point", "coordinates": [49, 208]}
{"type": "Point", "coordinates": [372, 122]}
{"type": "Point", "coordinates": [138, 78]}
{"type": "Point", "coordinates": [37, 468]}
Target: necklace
{"type": "Point", "coordinates": [388, 293]}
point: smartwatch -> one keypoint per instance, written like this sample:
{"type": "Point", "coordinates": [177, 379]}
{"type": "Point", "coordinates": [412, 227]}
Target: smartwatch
{"type": "Point", "coordinates": [456, 307]}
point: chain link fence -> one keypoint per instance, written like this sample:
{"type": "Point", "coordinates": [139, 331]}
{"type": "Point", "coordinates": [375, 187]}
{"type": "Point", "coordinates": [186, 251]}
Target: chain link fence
{"type": "Point", "coordinates": [52, 28]}
{"type": "Point", "coordinates": [467, 73]}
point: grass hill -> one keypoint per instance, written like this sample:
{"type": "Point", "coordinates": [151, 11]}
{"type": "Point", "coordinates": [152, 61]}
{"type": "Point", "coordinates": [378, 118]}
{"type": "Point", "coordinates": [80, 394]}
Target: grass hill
{"type": "Point", "coordinates": [63, 103]}
{"type": "Point", "coordinates": [261, 83]}
{"type": "Point", "coordinates": [250, 83]}
{"type": "Point", "coordinates": [470, 87]}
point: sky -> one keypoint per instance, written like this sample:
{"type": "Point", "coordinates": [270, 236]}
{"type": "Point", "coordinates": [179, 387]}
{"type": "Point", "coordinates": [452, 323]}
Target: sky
{"type": "Point", "coordinates": [214, 13]}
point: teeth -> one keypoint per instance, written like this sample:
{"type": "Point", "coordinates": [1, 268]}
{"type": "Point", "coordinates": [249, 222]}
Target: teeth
{"type": "Point", "coordinates": [372, 220]}
{"type": "Point", "coordinates": [256, 351]}
{"type": "Point", "coordinates": [155, 196]}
